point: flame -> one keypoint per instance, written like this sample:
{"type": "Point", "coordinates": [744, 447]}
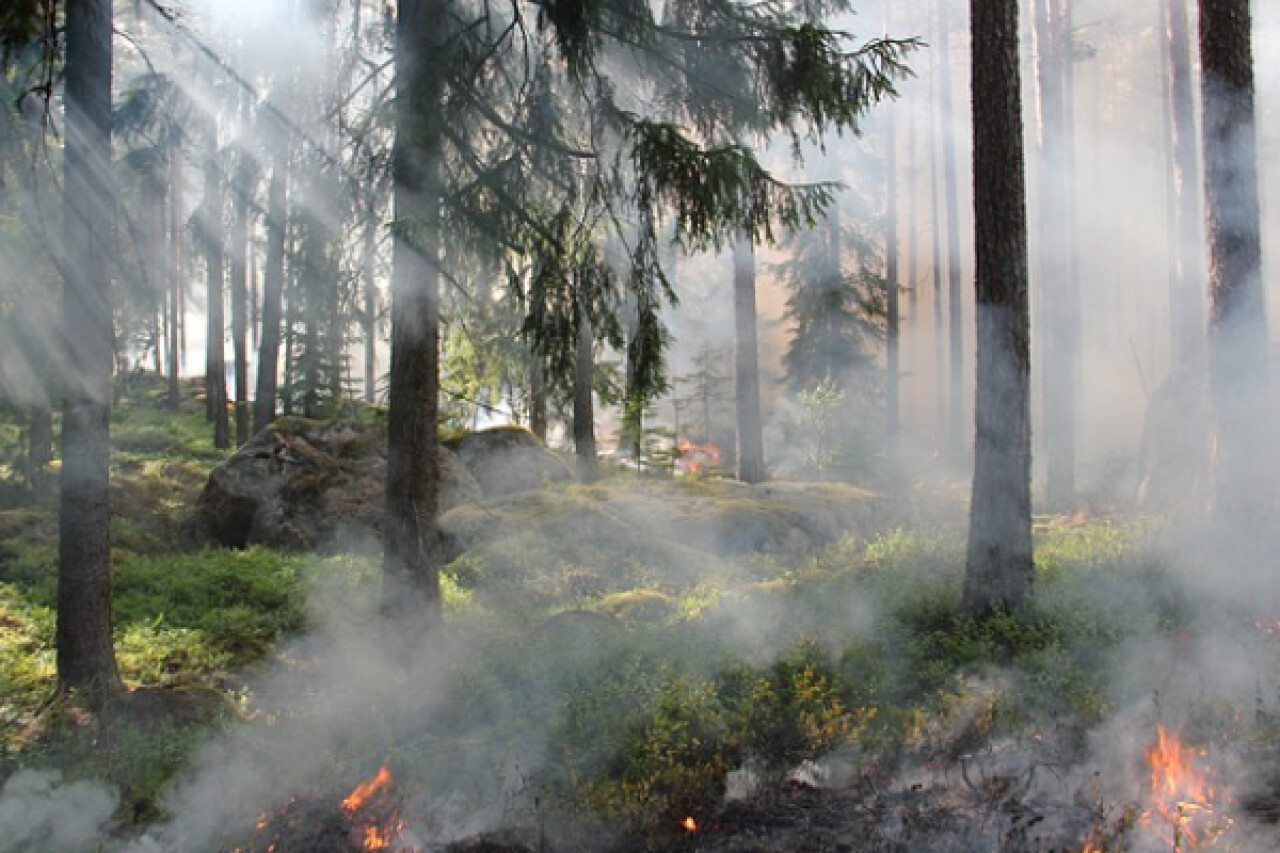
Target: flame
{"type": "Point", "coordinates": [693, 457]}
{"type": "Point", "coordinates": [689, 824]}
{"type": "Point", "coordinates": [366, 789]}
{"type": "Point", "coordinates": [380, 838]}
{"type": "Point", "coordinates": [1182, 796]}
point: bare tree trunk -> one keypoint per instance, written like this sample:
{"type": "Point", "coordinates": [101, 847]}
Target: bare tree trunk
{"type": "Point", "coordinates": [369, 317]}
{"type": "Point", "coordinates": [998, 565]}
{"type": "Point", "coordinates": [892, 284]}
{"type": "Point", "coordinates": [936, 241]}
{"type": "Point", "coordinates": [1237, 321]}
{"type": "Point", "coordinates": [215, 355]}
{"type": "Point", "coordinates": [955, 309]}
{"type": "Point", "coordinates": [1059, 303]}
{"type": "Point", "coordinates": [264, 398]}
{"type": "Point", "coordinates": [538, 396]}
{"type": "Point", "coordinates": [411, 567]}
{"type": "Point", "coordinates": [85, 656]}
{"type": "Point", "coordinates": [584, 419]}
{"type": "Point", "coordinates": [239, 245]}
{"type": "Point", "coordinates": [747, 363]}
{"type": "Point", "coordinates": [1187, 285]}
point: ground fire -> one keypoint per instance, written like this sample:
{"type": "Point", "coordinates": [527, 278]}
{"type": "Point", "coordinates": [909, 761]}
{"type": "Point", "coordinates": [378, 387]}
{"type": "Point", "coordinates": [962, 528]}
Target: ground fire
{"type": "Point", "coordinates": [1186, 809]}
{"type": "Point", "coordinates": [696, 458]}
{"type": "Point", "coordinates": [367, 819]}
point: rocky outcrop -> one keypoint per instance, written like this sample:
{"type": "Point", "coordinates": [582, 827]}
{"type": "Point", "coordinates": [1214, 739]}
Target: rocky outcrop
{"type": "Point", "coordinates": [304, 483]}
{"type": "Point", "coordinates": [509, 459]}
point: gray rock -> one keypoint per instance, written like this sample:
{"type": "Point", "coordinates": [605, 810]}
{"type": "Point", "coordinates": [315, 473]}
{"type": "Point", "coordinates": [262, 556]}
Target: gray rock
{"type": "Point", "coordinates": [303, 483]}
{"type": "Point", "coordinates": [509, 459]}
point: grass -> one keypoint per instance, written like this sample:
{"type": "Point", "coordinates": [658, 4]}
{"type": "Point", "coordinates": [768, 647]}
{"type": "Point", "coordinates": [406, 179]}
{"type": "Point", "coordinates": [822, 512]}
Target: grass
{"type": "Point", "coordinates": [658, 674]}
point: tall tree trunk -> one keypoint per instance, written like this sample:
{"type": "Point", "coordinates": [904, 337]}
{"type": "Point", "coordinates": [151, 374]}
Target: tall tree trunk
{"type": "Point", "coordinates": [891, 283]}
{"type": "Point", "coordinates": [369, 317]}
{"type": "Point", "coordinates": [411, 567]}
{"type": "Point", "coordinates": [584, 418]}
{"type": "Point", "coordinates": [1237, 319]}
{"type": "Point", "coordinates": [955, 309]}
{"type": "Point", "coordinates": [1059, 302]}
{"type": "Point", "coordinates": [85, 657]}
{"type": "Point", "coordinates": [936, 241]}
{"type": "Point", "coordinates": [215, 373]}
{"type": "Point", "coordinates": [913, 248]}
{"type": "Point", "coordinates": [176, 278]}
{"type": "Point", "coordinates": [239, 247]}
{"type": "Point", "coordinates": [264, 397]}
{"type": "Point", "coordinates": [747, 363]}
{"type": "Point", "coordinates": [998, 564]}
{"type": "Point", "coordinates": [39, 443]}
{"type": "Point", "coordinates": [1187, 284]}
{"type": "Point", "coordinates": [538, 395]}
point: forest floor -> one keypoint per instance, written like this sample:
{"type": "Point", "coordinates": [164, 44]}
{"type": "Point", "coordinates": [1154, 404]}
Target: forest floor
{"type": "Point", "coordinates": [835, 699]}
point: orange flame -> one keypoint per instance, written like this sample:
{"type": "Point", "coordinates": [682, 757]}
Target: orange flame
{"type": "Point", "coordinates": [689, 824]}
{"type": "Point", "coordinates": [1182, 796]}
{"type": "Point", "coordinates": [366, 789]}
{"type": "Point", "coordinates": [693, 457]}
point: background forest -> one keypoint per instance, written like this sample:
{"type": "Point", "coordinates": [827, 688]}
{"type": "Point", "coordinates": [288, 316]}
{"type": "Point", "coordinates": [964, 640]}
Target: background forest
{"type": "Point", "coordinates": [615, 425]}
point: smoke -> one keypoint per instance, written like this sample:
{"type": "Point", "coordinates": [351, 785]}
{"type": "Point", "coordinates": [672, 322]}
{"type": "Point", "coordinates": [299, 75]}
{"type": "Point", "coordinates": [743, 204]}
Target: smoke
{"type": "Point", "coordinates": [38, 811]}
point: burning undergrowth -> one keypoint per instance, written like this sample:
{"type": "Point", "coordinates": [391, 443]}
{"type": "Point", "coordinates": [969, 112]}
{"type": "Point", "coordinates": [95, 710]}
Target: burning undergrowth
{"type": "Point", "coordinates": [682, 729]}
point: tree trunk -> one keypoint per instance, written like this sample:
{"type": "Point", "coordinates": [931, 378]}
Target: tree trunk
{"type": "Point", "coordinates": [264, 397]}
{"type": "Point", "coordinates": [239, 247]}
{"type": "Point", "coordinates": [584, 419]}
{"type": "Point", "coordinates": [411, 567]}
{"type": "Point", "coordinates": [747, 363]}
{"type": "Point", "coordinates": [1187, 284]}
{"type": "Point", "coordinates": [998, 565]}
{"type": "Point", "coordinates": [86, 660]}
{"type": "Point", "coordinates": [39, 443]}
{"type": "Point", "coordinates": [891, 283]}
{"type": "Point", "coordinates": [955, 309]}
{"type": "Point", "coordinates": [169, 234]}
{"type": "Point", "coordinates": [538, 396]}
{"type": "Point", "coordinates": [1059, 302]}
{"type": "Point", "coordinates": [1237, 319]}
{"type": "Point", "coordinates": [369, 317]}
{"type": "Point", "coordinates": [936, 239]}
{"type": "Point", "coordinates": [215, 373]}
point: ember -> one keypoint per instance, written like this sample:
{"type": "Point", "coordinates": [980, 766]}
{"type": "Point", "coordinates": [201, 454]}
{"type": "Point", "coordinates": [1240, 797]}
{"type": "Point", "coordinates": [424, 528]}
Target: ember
{"type": "Point", "coordinates": [689, 824]}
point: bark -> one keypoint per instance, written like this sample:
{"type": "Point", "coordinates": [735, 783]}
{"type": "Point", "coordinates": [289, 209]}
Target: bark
{"type": "Point", "coordinates": [1187, 284]}
{"type": "Point", "coordinates": [266, 392]}
{"type": "Point", "coordinates": [239, 248]}
{"type": "Point", "coordinates": [891, 283]}
{"type": "Point", "coordinates": [215, 373]}
{"type": "Point", "coordinates": [998, 565]}
{"type": "Point", "coordinates": [584, 420]}
{"type": "Point", "coordinates": [176, 278]}
{"type": "Point", "coordinates": [1059, 292]}
{"type": "Point", "coordinates": [86, 662]}
{"type": "Point", "coordinates": [411, 567]}
{"type": "Point", "coordinates": [369, 317]}
{"type": "Point", "coordinates": [538, 396]}
{"type": "Point", "coordinates": [39, 443]}
{"type": "Point", "coordinates": [955, 310]}
{"type": "Point", "coordinates": [747, 363]}
{"type": "Point", "coordinates": [1237, 318]}
{"type": "Point", "coordinates": [936, 239]}
{"type": "Point", "coordinates": [913, 244]}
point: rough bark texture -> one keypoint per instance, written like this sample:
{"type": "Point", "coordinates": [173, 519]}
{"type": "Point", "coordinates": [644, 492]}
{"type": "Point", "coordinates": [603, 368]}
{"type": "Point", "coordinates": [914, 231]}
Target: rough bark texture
{"type": "Point", "coordinates": [955, 309]}
{"type": "Point", "coordinates": [264, 398]}
{"type": "Point", "coordinates": [1059, 298]}
{"type": "Point", "coordinates": [215, 371]}
{"type": "Point", "coordinates": [998, 567]}
{"type": "Point", "coordinates": [369, 317]}
{"type": "Point", "coordinates": [239, 248]}
{"type": "Point", "coordinates": [891, 283]}
{"type": "Point", "coordinates": [747, 364]}
{"type": "Point", "coordinates": [1187, 284]}
{"type": "Point", "coordinates": [1237, 319]}
{"type": "Point", "coordinates": [411, 568]}
{"type": "Point", "coordinates": [584, 418]}
{"type": "Point", "coordinates": [86, 660]}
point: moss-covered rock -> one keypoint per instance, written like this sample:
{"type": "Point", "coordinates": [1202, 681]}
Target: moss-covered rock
{"type": "Point", "coordinates": [509, 459]}
{"type": "Point", "coordinates": [300, 483]}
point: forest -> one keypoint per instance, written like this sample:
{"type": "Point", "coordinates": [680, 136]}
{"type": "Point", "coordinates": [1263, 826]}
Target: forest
{"type": "Point", "coordinates": [596, 426]}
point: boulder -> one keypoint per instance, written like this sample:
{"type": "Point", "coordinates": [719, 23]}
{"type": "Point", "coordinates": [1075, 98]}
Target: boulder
{"type": "Point", "coordinates": [509, 459]}
{"type": "Point", "coordinates": [303, 483]}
